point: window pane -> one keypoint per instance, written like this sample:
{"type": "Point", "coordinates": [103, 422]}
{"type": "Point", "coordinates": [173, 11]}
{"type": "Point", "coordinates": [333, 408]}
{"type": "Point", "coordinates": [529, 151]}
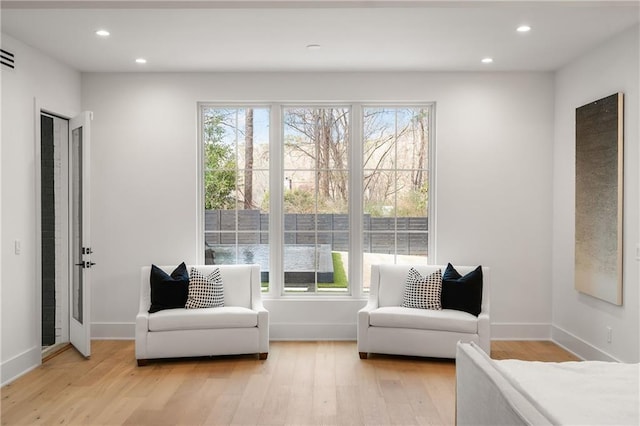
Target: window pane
{"type": "Point", "coordinates": [253, 190]}
{"type": "Point", "coordinates": [379, 138]}
{"type": "Point", "coordinates": [411, 194]}
{"type": "Point", "coordinates": [383, 244]}
{"type": "Point", "coordinates": [219, 189]}
{"type": "Point", "coordinates": [300, 139]}
{"type": "Point", "coordinates": [236, 183]}
{"type": "Point", "coordinates": [301, 264]}
{"type": "Point", "coordinates": [333, 194]}
{"type": "Point", "coordinates": [379, 193]}
{"type": "Point", "coordinates": [332, 276]}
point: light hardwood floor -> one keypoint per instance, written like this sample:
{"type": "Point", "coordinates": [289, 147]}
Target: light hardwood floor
{"type": "Point", "coordinates": [301, 383]}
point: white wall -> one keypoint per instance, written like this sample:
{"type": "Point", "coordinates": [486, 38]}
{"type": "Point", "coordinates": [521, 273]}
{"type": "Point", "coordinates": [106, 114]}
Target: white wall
{"type": "Point", "coordinates": [494, 164]}
{"type": "Point", "coordinates": [57, 88]}
{"type": "Point", "coordinates": [580, 321]}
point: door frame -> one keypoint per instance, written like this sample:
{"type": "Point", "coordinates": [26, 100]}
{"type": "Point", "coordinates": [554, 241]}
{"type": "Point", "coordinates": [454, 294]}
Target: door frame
{"type": "Point", "coordinates": [41, 108]}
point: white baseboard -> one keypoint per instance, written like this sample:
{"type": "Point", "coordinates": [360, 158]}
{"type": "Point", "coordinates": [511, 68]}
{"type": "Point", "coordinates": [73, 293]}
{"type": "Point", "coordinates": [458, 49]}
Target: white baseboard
{"type": "Point", "coordinates": [579, 347]}
{"type": "Point", "coordinates": [20, 364]}
{"type": "Point", "coordinates": [312, 331]}
{"type": "Point", "coordinates": [520, 331]}
{"type": "Point", "coordinates": [113, 330]}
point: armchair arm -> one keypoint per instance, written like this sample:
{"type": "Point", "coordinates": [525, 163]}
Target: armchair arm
{"type": "Point", "coordinates": [363, 324]}
{"type": "Point", "coordinates": [142, 318]}
{"type": "Point", "coordinates": [370, 306]}
{"type": "Point", "coordinates": [484, 332]}
{"type": "Point", "coordinates": [263, 315]}
{"type": "Point", "coordinates": [263, 328]}
{"type": "Point", "coordinates": [142, 328]}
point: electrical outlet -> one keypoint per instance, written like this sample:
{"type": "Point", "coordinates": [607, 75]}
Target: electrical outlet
{"type": "Point", "coordinates": [609, 332]}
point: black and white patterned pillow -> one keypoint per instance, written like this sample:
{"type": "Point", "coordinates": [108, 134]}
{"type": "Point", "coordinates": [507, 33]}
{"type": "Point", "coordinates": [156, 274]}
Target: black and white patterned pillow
{"type": "Point", "coordinates": [423, 292]}
{"type": "Point", "coordinates": [205, 292]}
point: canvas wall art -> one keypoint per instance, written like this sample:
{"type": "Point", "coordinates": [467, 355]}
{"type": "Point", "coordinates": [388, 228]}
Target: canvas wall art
{"type": "Point", "coordinates": [599, 179]}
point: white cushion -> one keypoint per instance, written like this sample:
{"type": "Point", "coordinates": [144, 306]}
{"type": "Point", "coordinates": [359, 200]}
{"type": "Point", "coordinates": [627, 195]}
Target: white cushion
{"type": "Point", "coordinates": [205, 291]}
{"type": "Point", "coordinates": [424, 319]}
{"type": "Point", "coordinates": [392, 281]}
{"type": "Point", "coordinates": [203, 318]}
{"type": "Point", "coordinates": [236, 281]}
{"type": "Point", "coordinates": [423, 292]}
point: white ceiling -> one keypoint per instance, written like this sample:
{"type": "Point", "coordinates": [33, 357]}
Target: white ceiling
{"type": "Point", "coordinates": [373, 35]}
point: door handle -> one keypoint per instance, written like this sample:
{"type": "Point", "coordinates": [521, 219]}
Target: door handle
{"type": "Point", "coordinates": [86, 264]}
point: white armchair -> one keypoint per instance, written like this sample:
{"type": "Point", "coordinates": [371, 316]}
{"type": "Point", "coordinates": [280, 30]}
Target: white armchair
{"type": "Point", "coordinates": [241, 326]}
{"type": "Point", "coordinates": [384, 326]}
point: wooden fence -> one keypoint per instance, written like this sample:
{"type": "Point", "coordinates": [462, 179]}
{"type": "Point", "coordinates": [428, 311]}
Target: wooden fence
{"type": "Point", "coordinates": [403, 235]}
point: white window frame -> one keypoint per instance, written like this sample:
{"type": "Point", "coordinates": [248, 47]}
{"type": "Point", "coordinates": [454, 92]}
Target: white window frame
{"type": "Point", "coordinates": [276, 190]}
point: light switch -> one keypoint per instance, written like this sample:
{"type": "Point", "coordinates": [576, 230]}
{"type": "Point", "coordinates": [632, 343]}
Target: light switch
{"type": "Point", "coordinates": [17, 246]}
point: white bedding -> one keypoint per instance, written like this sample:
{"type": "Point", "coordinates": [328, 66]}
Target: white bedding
{"type": "Point", "coordinates": [579, 393]}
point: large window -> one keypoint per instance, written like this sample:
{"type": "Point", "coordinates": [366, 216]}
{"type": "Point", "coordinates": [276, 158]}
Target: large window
{"type": "Point", "coordinates": [235, 143]}
{"type": "Point", "coordinates": [395, 185]}
{"type": "Point", "coordinates": [316, 199]}
{"type": "Point", "coordinates": [315, 194]}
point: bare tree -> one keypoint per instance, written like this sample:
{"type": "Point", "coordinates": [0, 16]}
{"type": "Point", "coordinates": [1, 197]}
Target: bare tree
{"type": "Point", "coordinates": [396, 143]}
{"type": "Point", "coordinates": [417, 178]}
{"type": "Point", "coordinates": [380, 150]}
{"type": "Point", "coordinates": [322, 138]}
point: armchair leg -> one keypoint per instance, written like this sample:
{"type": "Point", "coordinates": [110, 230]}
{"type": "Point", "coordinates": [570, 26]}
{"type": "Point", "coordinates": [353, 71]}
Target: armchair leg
{"type": "Point", "coordinates": [142, 362]}
{"type": "Point", "coordinates": [363, 355]}
{"type": "Point", "coordinates": [263, 355]}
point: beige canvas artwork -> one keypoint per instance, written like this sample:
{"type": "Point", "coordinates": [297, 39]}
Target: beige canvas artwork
{"type": "Point", "coordinates": [599, 164]}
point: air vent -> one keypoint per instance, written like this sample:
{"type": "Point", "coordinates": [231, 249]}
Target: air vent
{"type": "Point", "coordinates": [7, 59]}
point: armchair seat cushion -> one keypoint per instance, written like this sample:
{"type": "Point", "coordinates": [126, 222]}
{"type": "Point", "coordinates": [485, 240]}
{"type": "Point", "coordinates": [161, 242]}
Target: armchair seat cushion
{"type": "Point", "coordinates": [424, 319]}
{"type": "Point", "coordinates": [203, 318]}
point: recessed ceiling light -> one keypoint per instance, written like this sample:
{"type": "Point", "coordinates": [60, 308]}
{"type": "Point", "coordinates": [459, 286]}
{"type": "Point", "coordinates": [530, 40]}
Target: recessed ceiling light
{"type": "Point", "coordinates": [313, 46]}
{"type": "Point", "coordinates": [487, 60]}
{"type": "Point", "coordinates": [523, 29]}
{"type": "Point", "coordinates": [141, 61]}
{"type": "Point", "coordinates": [103, 33]}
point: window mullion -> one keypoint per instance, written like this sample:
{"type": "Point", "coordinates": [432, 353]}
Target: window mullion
{"type": "Point", "coordinates": [200, 169]}
{"type": "Point", "coordinates": [356, 201]}
{"type": "Point", "coordinates": [276, 201]}
{"type": "Point", "coordinates": [236, 213]}
{"type": "Point", "coordinates": [431, 175]}
{"type": "Point", "coordinates": [395, 187]}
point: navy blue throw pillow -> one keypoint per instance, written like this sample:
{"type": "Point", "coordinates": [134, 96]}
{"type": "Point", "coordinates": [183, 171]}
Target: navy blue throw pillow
{"type": "Point", "coordinates": [168, 291]}
{"type": "Point", "coordinates": [462, 293]}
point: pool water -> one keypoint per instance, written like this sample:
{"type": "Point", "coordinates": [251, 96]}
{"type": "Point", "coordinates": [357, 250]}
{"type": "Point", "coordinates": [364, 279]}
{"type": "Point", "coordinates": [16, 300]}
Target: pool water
{"type": "Point", "coordinates": [301, 261]}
